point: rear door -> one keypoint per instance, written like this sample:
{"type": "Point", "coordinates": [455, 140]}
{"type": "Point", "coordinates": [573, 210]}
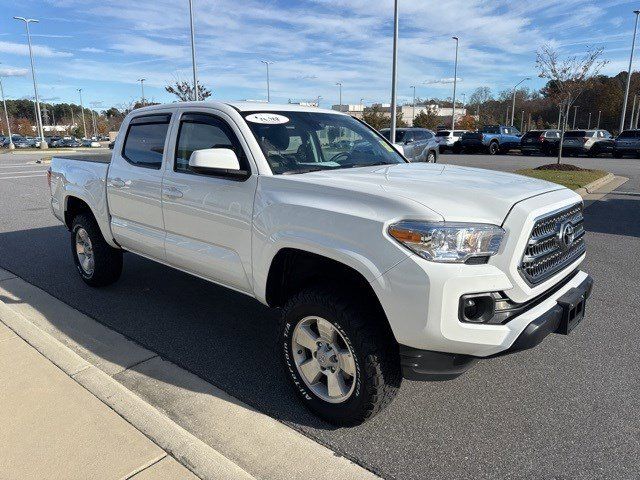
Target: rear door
{"type": "Point", "coordinates": [208, 217]}
{"type": "Point", "coordinates": [134, 182]}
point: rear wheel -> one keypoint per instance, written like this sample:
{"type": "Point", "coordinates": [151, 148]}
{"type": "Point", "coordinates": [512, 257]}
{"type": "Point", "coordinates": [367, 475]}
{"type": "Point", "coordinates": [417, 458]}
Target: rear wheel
{"type": "Point", "coordinates": [338, 357]}
{"type": "Point", "coordinates": [98, 263]}
{"type": "Point", "coordinates": [494, 148]}
{"type": "Point", "coordinates": [431, 157]}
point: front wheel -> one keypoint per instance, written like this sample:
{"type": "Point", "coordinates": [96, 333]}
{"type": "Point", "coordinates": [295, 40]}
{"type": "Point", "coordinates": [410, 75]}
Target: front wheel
{"type": "Point", "coordinates": [431, 157]}
{"type": "Point", "coordinates": [98, 263]}
{"type": "Point", "coordinates": [338, 357]}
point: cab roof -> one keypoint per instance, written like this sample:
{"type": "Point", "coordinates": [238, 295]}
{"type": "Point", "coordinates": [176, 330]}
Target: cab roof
{"type": "Point", "coordinates": [244, 107]}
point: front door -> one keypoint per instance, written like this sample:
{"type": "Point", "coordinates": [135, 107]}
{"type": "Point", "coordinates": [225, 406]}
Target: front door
{"type": "Point", "coordinates": [208, 217]}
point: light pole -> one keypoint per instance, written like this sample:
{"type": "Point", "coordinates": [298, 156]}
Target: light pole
{"type": "Point", "coordinates": [599, 115]}
{"type": "Point", "coordinates": [318, 100]}
{"type": "Point", "coordinates": [626, 91]}
{"type": "Point", "coordinates": [635, 125]}
{"type": "Point", "coordinates": [575, 114]}
{"type": "Point", "coordinates": [413, 111]}
{"type": "Point", "coordinates": [522, 121]}
{"type": "Point", "coordinates": [513, 99]}
{"type": "Point", "coordinates": [633, 111]}
{"type": "Point", "coordinates": [394, 73]}
{"type": "Point", "coordinates": [267, 63]}
{"type": "Point", "coordinates": [141, 80]}
{"type": "Point", "coordinates": [196, 95]}
{"type": "Point", "coordinates": [84, 125]}
{"type": "Point", "coordinates": [6, 117]}
{"type": "Point", "coordinates": [27, 21]}
{"type": "Point", "coordinates": [589, 122]}
{"type": "Point", "coordinates": [339, 85]}
{"type": "Point", "coordinates": [455, 81]}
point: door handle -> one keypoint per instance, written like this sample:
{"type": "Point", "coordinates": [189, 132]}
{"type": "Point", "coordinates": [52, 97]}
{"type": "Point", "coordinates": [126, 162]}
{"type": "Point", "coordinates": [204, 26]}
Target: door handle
{"type": "Point", "coordinates": [117, 182]}
{"type": "Point", "coordinates": [172, 192]}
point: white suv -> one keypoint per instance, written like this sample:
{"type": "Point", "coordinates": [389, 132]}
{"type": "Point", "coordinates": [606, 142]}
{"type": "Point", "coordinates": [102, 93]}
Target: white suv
{"type": "Point", "coordinates": [447, 138]}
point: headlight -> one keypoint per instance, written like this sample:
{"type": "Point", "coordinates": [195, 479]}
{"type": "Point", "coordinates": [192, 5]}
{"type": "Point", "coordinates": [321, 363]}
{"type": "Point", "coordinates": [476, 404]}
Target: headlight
{"type": "Point", "coordinates": [448, 242]}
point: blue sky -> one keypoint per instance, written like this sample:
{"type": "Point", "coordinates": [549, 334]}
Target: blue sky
{"type": "Point", "coordinates": [105, 46]}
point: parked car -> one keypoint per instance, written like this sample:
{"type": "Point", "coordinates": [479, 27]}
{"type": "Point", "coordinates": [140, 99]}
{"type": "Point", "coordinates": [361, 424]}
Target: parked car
{"type": "Point", "coordinates": [587, 142]}
{"type": "Point", "coordinates": [545, 142]}
{"type": "Point", "coordinates": [491, 139]}
{"type": "Point", "coordinates": [111, 144]}
{"type": "Point", "coordinates": [87, 142]}
{"type": "Point", "coordinates": [381, 268]}
{"type": "Point", "coordinates": [51, 141]}
{"type": "Point", "coordinates": [70, 143]}
{"type": "Point", "coordinates": [447, 138]}
{"type": "Point", "coordinates": [23, 143]}
{"type": "Point", "coordinates": [627, 143]}
{"type": "Point", "coordinates": [418, 144]}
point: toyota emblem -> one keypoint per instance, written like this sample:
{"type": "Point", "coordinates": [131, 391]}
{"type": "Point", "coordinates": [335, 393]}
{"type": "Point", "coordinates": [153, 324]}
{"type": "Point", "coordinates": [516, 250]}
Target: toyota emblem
{"type": "Point", "coordinates": [566, 235]}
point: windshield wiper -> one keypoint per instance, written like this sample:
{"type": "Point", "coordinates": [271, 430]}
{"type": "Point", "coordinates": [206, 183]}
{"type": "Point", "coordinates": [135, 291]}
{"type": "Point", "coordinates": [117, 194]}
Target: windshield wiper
{"type": "Point", "coordinates": [302, 170]}
{"type": "Point", "coordinates": [373, 164]}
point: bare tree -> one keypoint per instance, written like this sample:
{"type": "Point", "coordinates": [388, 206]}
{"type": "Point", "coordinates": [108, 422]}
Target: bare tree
{"type": "Point", "coordinates": [480, 96]}
{"type": "Point", "coordinates": [567, 78]}
{"type": "Point", "coordinates": [184, 90]}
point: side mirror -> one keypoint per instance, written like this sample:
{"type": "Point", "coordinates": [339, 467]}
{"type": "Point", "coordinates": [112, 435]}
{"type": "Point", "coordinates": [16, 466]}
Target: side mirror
{"type": "Point", "coordinates": [216, 161]}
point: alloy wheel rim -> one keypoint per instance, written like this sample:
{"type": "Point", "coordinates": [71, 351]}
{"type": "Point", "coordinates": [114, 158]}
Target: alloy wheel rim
{"type": "Point", "coordinates": [84, 251]}
{"type": "Point", "coordinates": [324, 359]}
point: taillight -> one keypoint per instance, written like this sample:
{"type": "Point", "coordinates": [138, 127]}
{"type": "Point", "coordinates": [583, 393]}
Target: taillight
{"type": "Point", "coordinates": [541, 138]}
{"type": "Point", "coordinates": [49, 177]}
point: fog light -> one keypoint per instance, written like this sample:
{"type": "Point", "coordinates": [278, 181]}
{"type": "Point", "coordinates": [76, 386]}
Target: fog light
{"type": "Point", "coordinates": [476, 308]}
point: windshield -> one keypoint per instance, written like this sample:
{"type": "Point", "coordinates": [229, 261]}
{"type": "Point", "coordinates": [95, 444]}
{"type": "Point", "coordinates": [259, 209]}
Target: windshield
{"type": "Point", "coordinates": [299, 142]}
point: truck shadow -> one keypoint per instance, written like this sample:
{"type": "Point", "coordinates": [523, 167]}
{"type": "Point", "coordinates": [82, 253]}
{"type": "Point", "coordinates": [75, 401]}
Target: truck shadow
{"type": "Point", "coordinates": [614, 215]}
{"type": "Point", "coordinates": [223, 337]}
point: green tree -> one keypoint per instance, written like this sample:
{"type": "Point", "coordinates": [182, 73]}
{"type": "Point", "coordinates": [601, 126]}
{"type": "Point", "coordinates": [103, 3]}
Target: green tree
{"type": "Point", "coordinates": [426, 119]}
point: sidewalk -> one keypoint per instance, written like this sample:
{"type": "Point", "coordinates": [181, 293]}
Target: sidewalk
{"type": "Point", "coordinates": [53, 428]}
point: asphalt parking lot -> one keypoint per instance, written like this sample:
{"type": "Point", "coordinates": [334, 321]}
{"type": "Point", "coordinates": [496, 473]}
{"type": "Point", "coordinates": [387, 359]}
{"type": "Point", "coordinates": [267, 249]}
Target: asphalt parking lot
{"type": "Point", "coordinates": [565, 410]}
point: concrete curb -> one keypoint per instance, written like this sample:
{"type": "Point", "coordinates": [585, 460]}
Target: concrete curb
{"type": "Point", "coordinates": [194, 454]}
{"type": "Point", "coordinates": [591, 187]}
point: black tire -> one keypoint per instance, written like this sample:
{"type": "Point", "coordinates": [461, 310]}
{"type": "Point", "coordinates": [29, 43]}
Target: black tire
{"type": "Point", "coordinates": [431, 157]}
{"type": "Point", "coordinates": [107, 261]}
{"type": "Point", "coordinates": [526, 153]}
{"type": "Point", "coordinates": [494, 148]}
{"type": "Point", "coordinates": [617, 154]}
{"type": "Point", "coordinates": [457, 149]}
{"type": "Point", "coordinates": [377, 362]}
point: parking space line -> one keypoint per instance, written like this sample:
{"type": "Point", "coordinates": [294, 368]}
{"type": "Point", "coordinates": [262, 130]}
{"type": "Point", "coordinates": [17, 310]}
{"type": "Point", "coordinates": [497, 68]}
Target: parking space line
{"type": "Point", "coordinates": [22, 172]}
{"type": "Point", "coordinates": [22, 176]}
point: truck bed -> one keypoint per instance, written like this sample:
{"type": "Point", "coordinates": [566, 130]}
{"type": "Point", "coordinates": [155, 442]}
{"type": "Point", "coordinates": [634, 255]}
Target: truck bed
{"type": "Point", "coordinates": [95, 158]}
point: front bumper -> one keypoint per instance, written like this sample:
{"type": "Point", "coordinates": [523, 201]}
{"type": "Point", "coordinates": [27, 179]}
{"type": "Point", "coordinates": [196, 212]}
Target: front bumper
{"type": "Point", "coordinates": [420, 364]}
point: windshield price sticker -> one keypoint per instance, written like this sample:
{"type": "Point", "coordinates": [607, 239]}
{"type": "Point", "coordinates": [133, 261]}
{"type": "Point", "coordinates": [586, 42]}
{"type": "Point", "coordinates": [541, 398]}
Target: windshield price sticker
{"type": "Point", "coordinates": [267, 118]}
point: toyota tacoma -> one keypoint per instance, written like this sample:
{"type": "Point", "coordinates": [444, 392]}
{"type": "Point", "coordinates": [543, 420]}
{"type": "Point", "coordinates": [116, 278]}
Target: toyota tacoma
{"type": "Point", "coordinates": [382, 269]}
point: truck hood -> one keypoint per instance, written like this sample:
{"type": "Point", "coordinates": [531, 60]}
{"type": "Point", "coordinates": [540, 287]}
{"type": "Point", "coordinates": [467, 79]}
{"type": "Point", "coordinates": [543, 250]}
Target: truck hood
{"type": "Point", "coordinates": [461, 194]}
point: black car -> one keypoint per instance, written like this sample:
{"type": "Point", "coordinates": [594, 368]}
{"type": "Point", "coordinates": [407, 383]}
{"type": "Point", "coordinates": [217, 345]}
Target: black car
{"type": "Point", "coordinates": [545, 142]}
{"type": "Point", "coordinates": [70, 143]}
{"type": "Point", "coordinates": [627, 143]}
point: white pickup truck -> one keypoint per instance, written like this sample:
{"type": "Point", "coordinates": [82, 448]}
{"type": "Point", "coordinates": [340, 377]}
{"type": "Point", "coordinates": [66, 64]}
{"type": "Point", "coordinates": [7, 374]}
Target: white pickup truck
{"type": "Point", "coordinates": [382, 269]}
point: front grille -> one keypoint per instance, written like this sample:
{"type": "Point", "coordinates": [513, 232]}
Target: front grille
{"type": "Point", "coordinates": [556, 241]}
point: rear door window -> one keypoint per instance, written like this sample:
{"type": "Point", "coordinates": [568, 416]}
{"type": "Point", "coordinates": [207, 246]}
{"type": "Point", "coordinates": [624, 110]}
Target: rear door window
{"type": "Point", "coordinates": [145, 139]}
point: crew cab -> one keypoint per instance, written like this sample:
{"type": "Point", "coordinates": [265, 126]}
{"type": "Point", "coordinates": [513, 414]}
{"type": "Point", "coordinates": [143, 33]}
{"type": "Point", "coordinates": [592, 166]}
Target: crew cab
{"type": "Point", "coordinates": [382, 269]}
{"type": "Point", "coordinates": [491, 139]}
